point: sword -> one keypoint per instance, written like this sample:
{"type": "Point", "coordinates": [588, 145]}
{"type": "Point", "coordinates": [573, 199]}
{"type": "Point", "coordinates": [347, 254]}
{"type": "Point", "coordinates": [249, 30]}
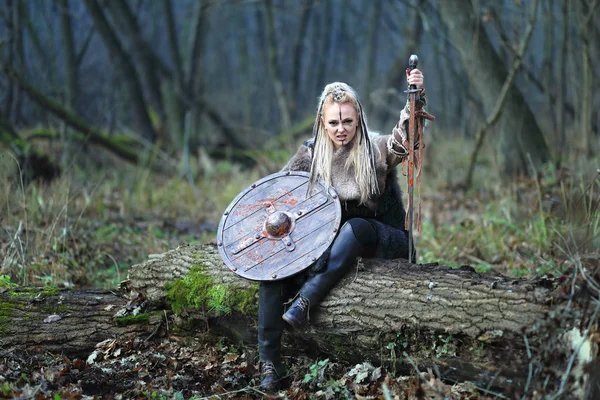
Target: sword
{"type": "Point", "coordinates": [415, 133]}
{"type": "Point", "coordinates": [413, 61]}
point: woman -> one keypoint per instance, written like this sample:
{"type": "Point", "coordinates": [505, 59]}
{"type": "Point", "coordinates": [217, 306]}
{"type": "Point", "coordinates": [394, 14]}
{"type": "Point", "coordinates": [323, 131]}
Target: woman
{"type": "Point", "coordinates": [361, 166]}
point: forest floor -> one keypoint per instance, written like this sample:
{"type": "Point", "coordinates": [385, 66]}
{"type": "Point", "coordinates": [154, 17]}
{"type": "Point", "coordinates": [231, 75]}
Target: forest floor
{"type": "Point", "coordinates": [170, 368]}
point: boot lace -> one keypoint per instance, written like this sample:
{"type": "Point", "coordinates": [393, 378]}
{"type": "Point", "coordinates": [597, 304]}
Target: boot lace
{"type": "Point", "coordinates": [303, 304]}
{"type": "Point", "coordinates": [268, 368]}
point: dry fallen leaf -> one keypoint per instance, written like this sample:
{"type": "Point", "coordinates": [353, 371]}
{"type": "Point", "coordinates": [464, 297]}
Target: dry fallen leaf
{"type": "Point", "coordinates": [230, 358]}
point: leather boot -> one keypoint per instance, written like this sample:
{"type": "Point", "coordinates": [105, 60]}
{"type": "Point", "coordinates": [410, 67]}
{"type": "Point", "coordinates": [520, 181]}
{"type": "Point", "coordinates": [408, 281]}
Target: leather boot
{"type": "Point", "coordinates": [270, 329]}
{"type": "Point", "coordinates": [346, 248]}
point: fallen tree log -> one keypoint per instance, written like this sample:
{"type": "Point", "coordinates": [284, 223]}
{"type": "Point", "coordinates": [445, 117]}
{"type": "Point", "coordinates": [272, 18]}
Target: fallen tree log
{"type": "Point", "coordinates": [467, 324]}
{"type": "Point", "coordinates": [66, 321]}
{"type": "Point", "coordinates": [463, 325]}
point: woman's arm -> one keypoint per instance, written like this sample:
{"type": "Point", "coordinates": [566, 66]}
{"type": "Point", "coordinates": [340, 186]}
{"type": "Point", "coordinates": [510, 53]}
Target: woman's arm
{"type": "Point", "coordinates": [396, 149]}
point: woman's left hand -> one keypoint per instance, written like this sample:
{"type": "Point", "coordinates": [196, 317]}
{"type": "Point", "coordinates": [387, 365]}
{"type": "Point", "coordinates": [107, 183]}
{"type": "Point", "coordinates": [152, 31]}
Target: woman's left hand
{"type": "Point", "coordinates": [415, 77]}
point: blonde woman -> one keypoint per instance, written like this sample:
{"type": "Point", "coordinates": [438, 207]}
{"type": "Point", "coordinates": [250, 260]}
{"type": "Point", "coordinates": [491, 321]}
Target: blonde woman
{"type": "Point", "coordinates": [361, 166]}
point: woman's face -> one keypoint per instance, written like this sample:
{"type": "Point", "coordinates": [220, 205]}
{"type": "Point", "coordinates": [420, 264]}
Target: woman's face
{"type": "Point", "coordinates": [341, 122]}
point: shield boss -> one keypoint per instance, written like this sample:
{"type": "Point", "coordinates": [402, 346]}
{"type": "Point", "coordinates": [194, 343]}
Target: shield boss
{"type": "Point", "coordinates": [275, 229]}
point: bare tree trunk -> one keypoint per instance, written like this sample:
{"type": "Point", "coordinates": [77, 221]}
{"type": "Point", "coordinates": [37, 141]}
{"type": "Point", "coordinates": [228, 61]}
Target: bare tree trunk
{"type": "Point", "coordinates": [19, 60]}
{"type": "Point", "coordinates": [521, 136]}
{"type": "Point", "coordinates": [371, 52]}
{"type": "Point", "coordinates": [142, 53]}
{"type": "Point", "coordinates": [10, 93]}
{"type": "Point", "coordinates": [70, 72]}
{"type": "Point", "coordinates": [297, 60]}
{"type": "Point", "coordinates": [70, 62]}
{"type": "Point", "coordinates": [130, 76]}
{"type": "Point", "coordinates": [323, 37]}
{"type": "Point", "coordinates": [273, 65]}
{"type": "Point", "coordinates": [245, 66]}
{"type": "Point", "coordinates": [585, 13]}
{"type": "Point", "coordinates": [396, 77]}
{"type": "Point", "coordinates": [495, 114]}
{"type": "Point", "coordinates": [33, 35]}
{"type": "Point", "coordinates": [195, 79]}
{"type": "Point", "coordinates": [173, 45]}
{"type": "Point", "coordinates": [562, 82]}
{"type": "Point", "coordinates": [174, 106]}
{"type": "Point", "coordinates": [549, 55]}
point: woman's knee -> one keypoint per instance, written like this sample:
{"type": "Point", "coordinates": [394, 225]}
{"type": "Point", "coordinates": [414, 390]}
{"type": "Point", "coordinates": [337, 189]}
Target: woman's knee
{"type": "Point", "coordinates": [364, 232]}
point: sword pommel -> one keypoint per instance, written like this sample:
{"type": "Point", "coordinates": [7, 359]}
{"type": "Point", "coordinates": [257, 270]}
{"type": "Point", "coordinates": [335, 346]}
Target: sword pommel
{"type": "Point", "coordinates": [413, 61]}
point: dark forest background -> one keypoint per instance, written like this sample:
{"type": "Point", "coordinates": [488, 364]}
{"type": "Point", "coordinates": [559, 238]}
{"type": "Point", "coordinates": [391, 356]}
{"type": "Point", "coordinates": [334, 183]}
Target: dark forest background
{"type": "Point", "coordinates": [181, 75]}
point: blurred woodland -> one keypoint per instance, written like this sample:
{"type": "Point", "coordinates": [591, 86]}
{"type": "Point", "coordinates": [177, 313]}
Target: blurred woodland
{"type": "Point", "coordinates": [172, 79]}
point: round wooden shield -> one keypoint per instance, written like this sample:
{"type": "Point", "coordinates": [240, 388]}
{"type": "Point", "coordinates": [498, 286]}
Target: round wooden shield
{"type": "Point", "coordinates": [275, 228]}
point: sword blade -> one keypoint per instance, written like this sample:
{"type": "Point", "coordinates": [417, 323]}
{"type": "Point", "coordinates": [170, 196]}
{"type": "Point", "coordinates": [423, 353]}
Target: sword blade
{"type": "Point", "coordinates": [411, 170]}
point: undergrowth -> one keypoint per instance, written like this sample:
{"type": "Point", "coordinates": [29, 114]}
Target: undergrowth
{"type": "Point", "coordinates": [85, 228]}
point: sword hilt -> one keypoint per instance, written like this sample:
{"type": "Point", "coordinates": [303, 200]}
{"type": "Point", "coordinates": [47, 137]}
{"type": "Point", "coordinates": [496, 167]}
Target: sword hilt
{"type": "Point", "coordinates": [413, 61]}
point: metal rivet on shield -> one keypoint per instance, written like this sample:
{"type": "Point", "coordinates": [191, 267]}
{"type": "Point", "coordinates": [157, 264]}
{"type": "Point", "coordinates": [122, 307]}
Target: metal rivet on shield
{"type": "Point", "coordinates": [257, 236]}
{"type": "Point", "coordinates": [234, 269]}
{"type": "Point", "coordinates": [334, 230]}
{"type": "Point", "coordinates": [220, 244]}
{"type": "Point", "coordinates": [253, 185]}
{"type": "Point", "coordinates": [274, 276]}
{"type": "Point", "coordinates": [289, 243]}
{"type": "Point", "coordinates": [299, 212]}
{"type": "Point", "coordinates": [226, 213]}
{"type": "Point", "coordinates": [287, 173]}
{"type": "Point", "coordinates": [334, 196]}
{"type": "Point", "coordinates": [313, 259]}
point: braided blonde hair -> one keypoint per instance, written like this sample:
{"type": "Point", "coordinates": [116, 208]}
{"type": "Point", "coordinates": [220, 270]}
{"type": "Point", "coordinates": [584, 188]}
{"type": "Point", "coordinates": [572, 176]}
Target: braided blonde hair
{"type": "Point", "coordinates": [363, 152]}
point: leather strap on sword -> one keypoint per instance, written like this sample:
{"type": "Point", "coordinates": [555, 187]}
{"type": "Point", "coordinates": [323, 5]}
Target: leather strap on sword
{"type": "Point", "coordinates": [415, 156]}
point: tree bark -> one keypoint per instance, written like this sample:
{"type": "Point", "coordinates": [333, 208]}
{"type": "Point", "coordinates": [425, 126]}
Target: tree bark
{"type": "Point", "coordinates": [521, 135]}
{"type": "Point", "coordinates": [68, 322]}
